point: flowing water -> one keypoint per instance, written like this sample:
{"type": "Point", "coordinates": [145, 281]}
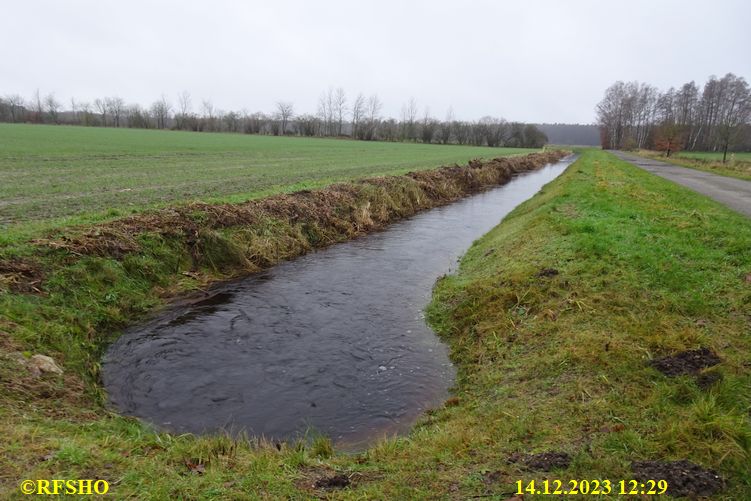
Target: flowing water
{"type": "Point", "coordinates": [333, 341]}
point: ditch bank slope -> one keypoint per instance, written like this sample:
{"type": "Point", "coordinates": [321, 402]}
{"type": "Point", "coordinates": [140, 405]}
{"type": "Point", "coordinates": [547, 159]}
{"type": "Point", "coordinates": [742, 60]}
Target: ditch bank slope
{"type": "Point", "coordinates": [602, 332]}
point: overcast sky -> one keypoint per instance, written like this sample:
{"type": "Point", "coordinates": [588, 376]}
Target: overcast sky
{"type": "Point", "coordinates": [535, 61]}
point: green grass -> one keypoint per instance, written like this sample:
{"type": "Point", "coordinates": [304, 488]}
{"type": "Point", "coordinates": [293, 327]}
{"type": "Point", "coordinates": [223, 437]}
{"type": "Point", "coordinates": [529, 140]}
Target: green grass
{"type": "Point", "coordinates": [646, 268]}
{"type": "Point", "coordinates": [738, 165]}
{"type": "Point", "coordinates": [52, 172]}
{"type": "Point", "coordinates": [716, 156]}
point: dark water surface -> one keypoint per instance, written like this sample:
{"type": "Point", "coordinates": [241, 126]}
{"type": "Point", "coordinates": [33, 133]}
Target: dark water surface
{"type": "Point", "coordinates": [334, 340]}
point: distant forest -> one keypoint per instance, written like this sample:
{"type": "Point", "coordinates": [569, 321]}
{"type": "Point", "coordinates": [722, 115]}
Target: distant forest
{"type": "Point", "coordinates": [712, 118]}
{"type": "Point", "coordinates": [571, 134]}
{"type": "Point", "coordinates": [337, 116]}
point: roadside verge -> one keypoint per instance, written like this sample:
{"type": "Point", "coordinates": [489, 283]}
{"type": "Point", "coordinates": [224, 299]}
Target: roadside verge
{"type": "Point", "coordinates": [606, 322]}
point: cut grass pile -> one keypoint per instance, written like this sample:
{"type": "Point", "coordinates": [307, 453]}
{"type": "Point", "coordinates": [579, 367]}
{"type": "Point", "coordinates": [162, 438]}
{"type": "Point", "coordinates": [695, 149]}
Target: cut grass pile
{"type": "Point", "coordinates": [65, 173]}
{"type": "Point", "coordinates": [738, 164]}
{"type": "Point", "coordinates": [558, 321]}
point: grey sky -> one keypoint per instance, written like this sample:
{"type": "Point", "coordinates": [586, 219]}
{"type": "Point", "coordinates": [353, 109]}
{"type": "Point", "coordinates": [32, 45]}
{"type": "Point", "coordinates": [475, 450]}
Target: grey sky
{"type": "Point", "coordinates": [537, 61]}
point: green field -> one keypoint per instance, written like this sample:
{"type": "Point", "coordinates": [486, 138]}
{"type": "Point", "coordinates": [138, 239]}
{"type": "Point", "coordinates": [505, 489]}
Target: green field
{"type": "Point", "coordinates": [738, 166]}
{"type": "Point", "coordinates": [716, 156]}
{"type": "Point", "coordinates": [553, 321]}
{"type": "Point", "coordinates": [50, 172]}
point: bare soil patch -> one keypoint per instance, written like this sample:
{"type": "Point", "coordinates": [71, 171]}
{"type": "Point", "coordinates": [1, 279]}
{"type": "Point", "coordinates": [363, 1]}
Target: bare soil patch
{"type": "Point", "coordinates": [686, 362]}
{"type": "Point", "coordinates": [333, 482]}
{"type": "Point", "coordinates": [685, 479]}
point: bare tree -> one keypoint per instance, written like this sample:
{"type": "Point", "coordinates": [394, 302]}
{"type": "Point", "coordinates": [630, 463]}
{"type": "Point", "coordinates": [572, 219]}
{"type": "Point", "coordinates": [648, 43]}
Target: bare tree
{"type": "Point", "coordinates": [253, 123]}
{"type": "Point", "coordinates": [460, 131]}
{"type": "Point", "coordinates": [428, 127]}
{"type": "Point", "coordinates": [285, 111]}
{"type": "Point", "coordinates": [15, 106]}
{"type": "Point", "coordinates": [183, 109]}
{"type": "Point", "coordinates": [636, 115]}
{"type": "Point", "coordinates": [53, 107]}
{"type": "Point", "coordinates": [323, 113]}
{"type": "Point", "coordinates": [409, 117]}
{"type": "Point", "coordinates": [160, 110]}
{"type": "Point", "coordinates": [533, 137]}
{"type": "Point", "coordinates": [374, 115]}
{"type": "Point", "coordinates": [686, 104]}
{"type": "Point", "coordinates": [137, 117]}
{"type": "Point", "coordinates": [74, 110]}
{"type": "Point", "coordinates": [340, 108]}
{"type": "Point", "coordinates": [184, 102]}
{"type": "Point", "coordinates": [101, 106]}
{"type": "Point", "coordinates": [326, 112]}
{"type": "Point", "coordinates": [496, 131]}
{"type": "Point", "coordinates": [358, 111]}
{"type": "Point", "coordinates": [207, 108]}
{"type": "Point", "coordinates": [37, 107]}
{"type": "Point", "coordinates": [116, 108]}
{"type": "Point", "coordinates": [85, 115]}
{"type": "Point", "coordinates": [734, 112]}
{"type": "Point", "coordinates": [445, 127]}
{"type": "Point", "coordinates": [307, 125]}
{"type": "Point", "coordinates": [232, 121]}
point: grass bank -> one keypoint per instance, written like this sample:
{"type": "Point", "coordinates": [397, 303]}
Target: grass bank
{"type": "Point", "coordinates": [557, 315]}
{"type": "Point", "coordinates": [738, 165]}
{"type": "Point", "coordinates": [555, 321]}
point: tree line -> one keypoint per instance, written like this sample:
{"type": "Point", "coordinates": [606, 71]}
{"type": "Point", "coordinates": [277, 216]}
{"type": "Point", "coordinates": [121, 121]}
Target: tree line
{"type": "Point", "coordinates": [713, 118]}
{"type": "Point", "coordinates": [336, 116]}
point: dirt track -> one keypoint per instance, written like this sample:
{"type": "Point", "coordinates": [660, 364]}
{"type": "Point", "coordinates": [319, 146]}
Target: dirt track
{"type": "Point", "coordinates": [735, 193]}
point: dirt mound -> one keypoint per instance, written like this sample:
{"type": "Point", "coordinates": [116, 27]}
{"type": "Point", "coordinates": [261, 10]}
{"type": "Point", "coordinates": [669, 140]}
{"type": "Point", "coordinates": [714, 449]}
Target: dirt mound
{"type": "Point", "coordinates": [545, 461]}
{"type": "Point", "coordinates": [686, 362]}
{"type": "Point", "coordinates": [685, 479]}
{"type": "Point", "coordinates": [333, 482]}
